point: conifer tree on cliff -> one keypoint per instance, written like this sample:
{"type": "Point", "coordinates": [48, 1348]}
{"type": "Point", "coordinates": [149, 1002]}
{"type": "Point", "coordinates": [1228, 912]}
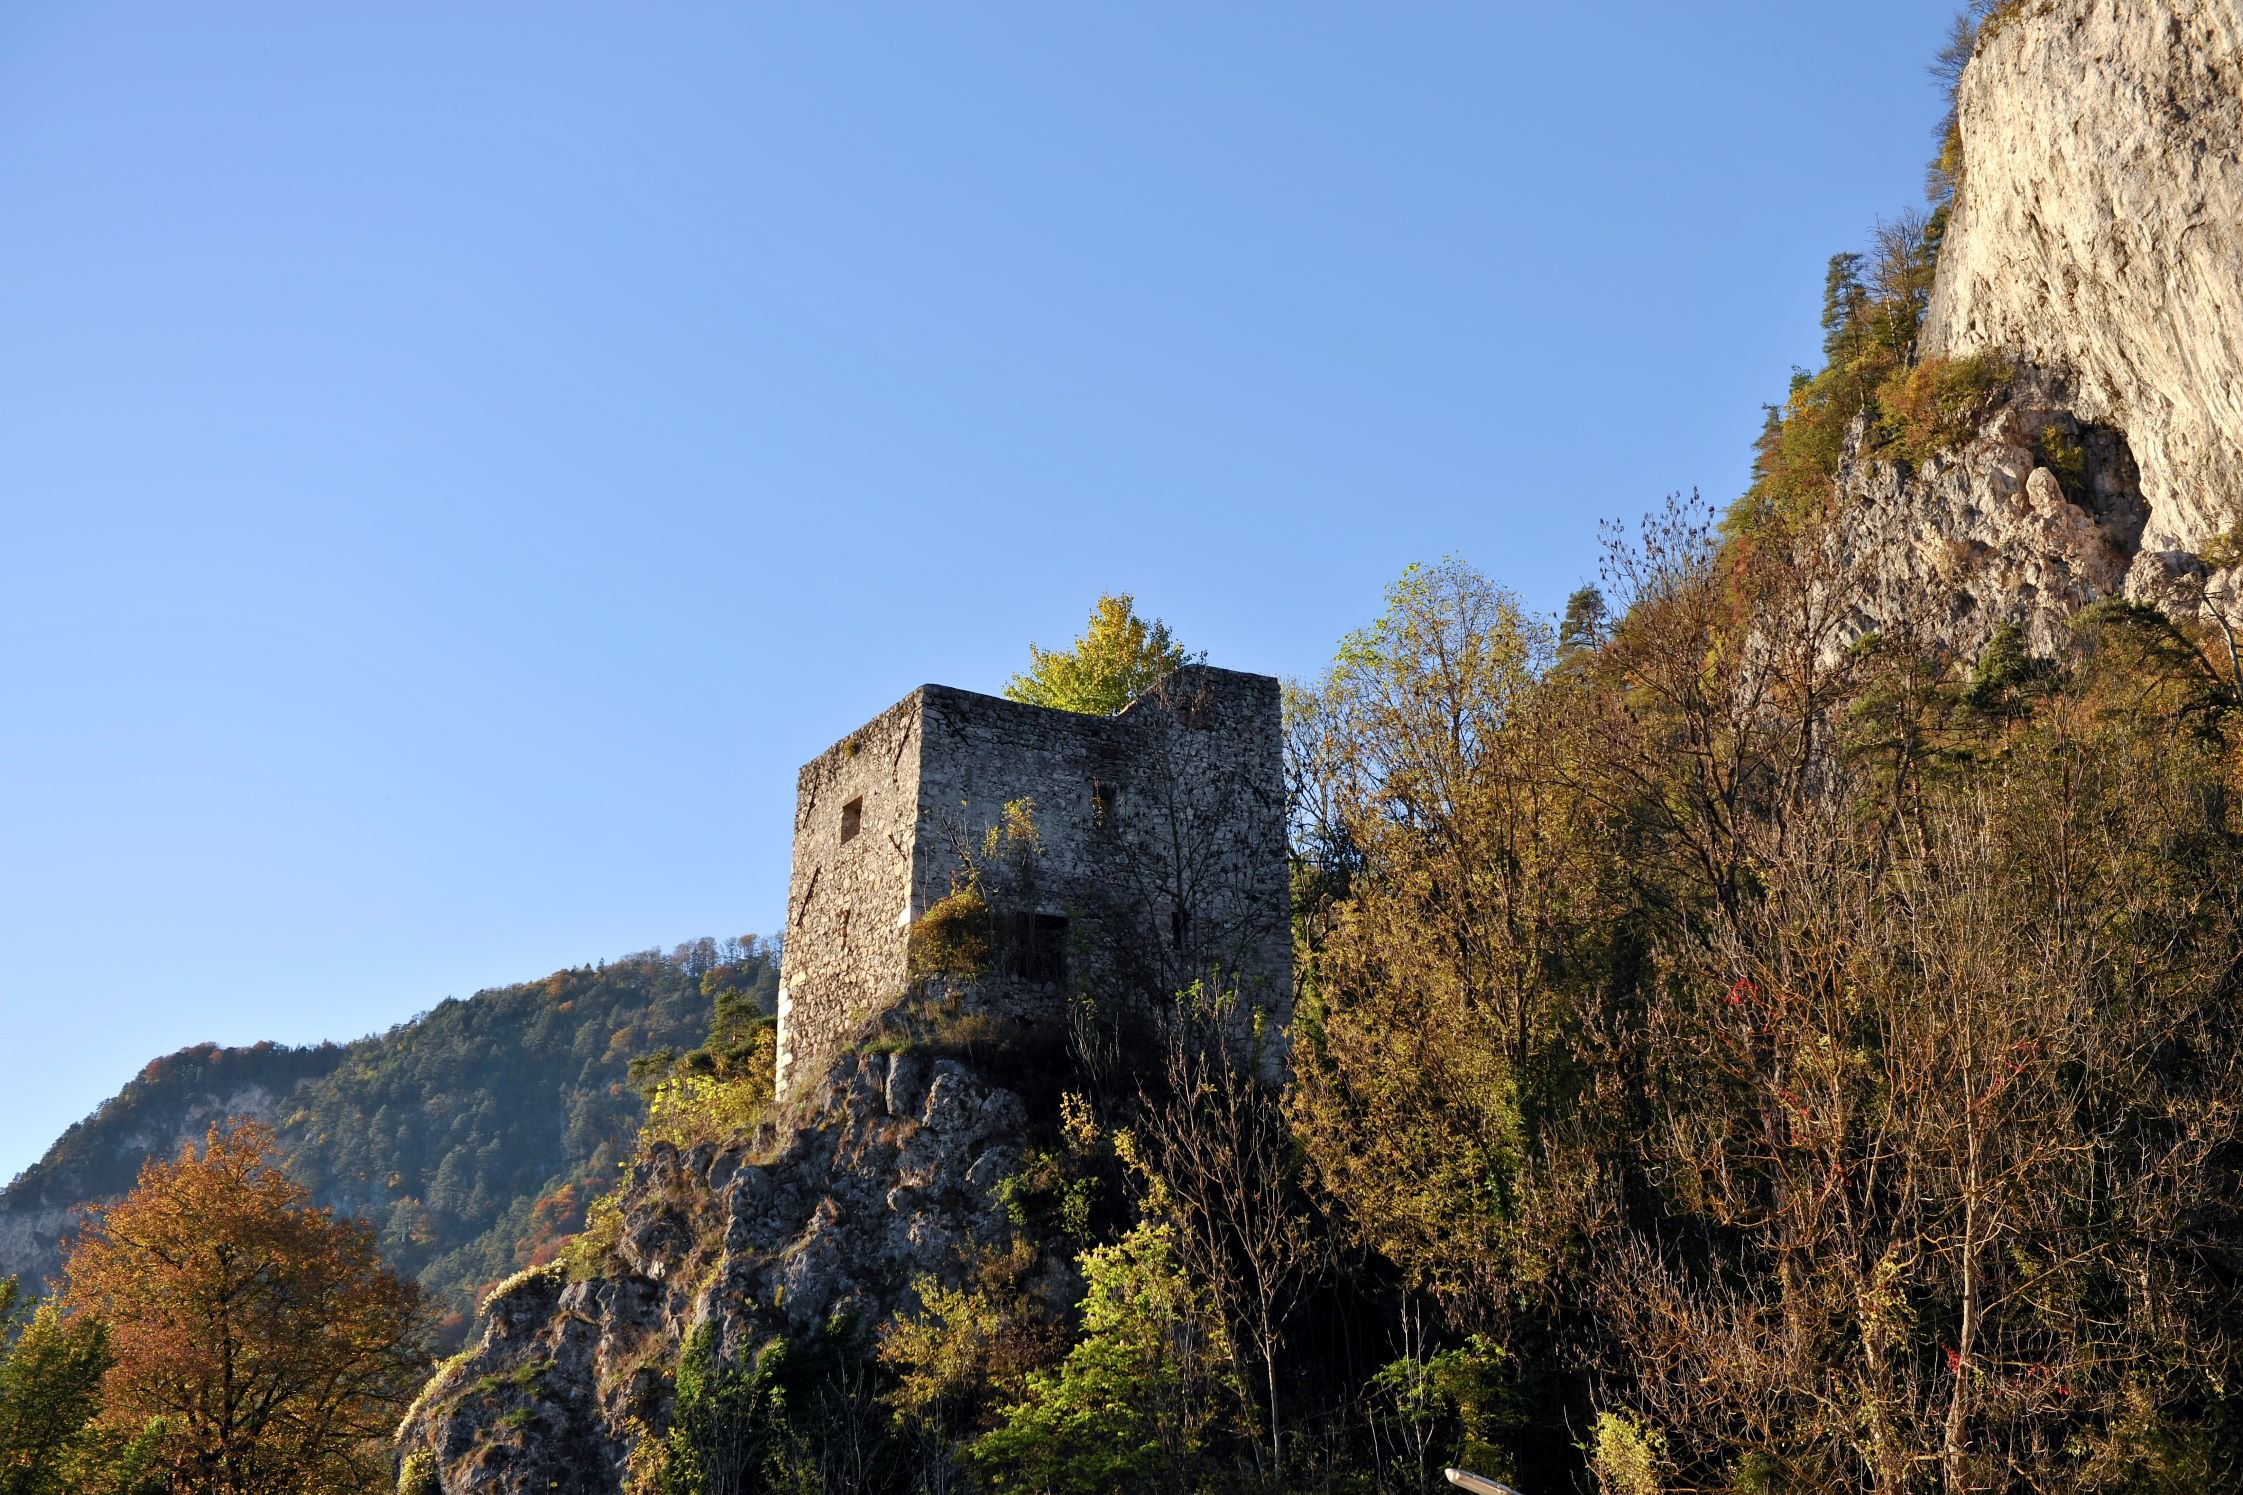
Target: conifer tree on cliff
{"type": "Point", "coordinates": [1119, 657]}
{"type": "Point", "coordinates": [265, 1333]}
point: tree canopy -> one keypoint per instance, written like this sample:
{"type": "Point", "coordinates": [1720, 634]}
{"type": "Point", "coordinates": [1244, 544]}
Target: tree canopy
{"type": "Point", "coordinates": [50, 1391]}
{"type": "Point", "coordinates": [265, 1333]}
{"type": "Point", "coordinates": [1119, 657]}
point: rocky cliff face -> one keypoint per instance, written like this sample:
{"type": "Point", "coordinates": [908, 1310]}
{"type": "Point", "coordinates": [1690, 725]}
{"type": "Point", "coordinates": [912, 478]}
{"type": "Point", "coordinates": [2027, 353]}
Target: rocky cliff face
{"type": "Point", "coordinates": [889, 1179]}
{"type": "Point", "coordinates": [2095, 247]}
{"type": "Point", "coordinates": [2098, 234]}
{"type": "Point", "coordinates": [2039, 515]}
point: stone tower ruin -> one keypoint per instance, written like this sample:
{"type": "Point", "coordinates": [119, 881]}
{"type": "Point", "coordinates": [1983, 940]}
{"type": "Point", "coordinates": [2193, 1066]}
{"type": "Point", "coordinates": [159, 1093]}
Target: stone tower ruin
{"type": "Point", "coordinates": [1162, 853]}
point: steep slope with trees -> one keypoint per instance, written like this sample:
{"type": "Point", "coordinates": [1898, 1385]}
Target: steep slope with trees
{"type": "Point", "coordinates": [470, 1136]}
{"type": "Point", "coordinates": [170, 1101]}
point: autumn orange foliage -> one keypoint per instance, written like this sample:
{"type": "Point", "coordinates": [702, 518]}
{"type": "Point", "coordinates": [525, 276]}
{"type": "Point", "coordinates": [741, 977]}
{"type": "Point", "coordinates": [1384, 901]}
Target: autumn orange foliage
{"type": "Point", "coordinates": [265, 1333]}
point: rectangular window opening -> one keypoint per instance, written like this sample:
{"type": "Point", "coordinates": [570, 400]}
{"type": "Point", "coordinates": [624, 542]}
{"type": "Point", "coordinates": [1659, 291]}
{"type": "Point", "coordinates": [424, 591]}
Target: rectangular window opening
{"type": "Point", "coordinates": [1039, 948]}
{"type": "Point", "coordinates": [1101, 804]}
{"type": "Point", "coordinates": [852, 818]}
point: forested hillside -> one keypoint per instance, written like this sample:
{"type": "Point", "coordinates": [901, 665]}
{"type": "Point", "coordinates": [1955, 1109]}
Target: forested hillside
{"type": "Point", "coordinates": [173, 1098]}
{"type": "Point", "coordinates": [467, 1135]}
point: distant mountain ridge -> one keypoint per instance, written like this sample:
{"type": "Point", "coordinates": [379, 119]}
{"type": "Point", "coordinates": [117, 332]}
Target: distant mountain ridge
{"type": "Point", "coordinates": [468, 1136]}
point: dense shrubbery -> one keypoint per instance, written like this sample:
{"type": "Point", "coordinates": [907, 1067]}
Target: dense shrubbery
{"type": "Point", "coordinates": [1135, 1402]}
{"type": "Point", "coordinates": [727, 1100]}
{"type": "Point", "coordinates": [1818, 1066]}
{"type": "Point", "coordinates": [1938, 403]}
{"type": "Point", "coordinates": [954, 937]}
{"type": "Point", "coordinates": [721, 1089]}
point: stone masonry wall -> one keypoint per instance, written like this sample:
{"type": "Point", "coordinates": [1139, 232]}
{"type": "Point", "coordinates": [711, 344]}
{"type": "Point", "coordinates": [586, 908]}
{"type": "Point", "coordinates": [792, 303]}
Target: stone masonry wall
{"type": "Point", "coordinates": [1162, 828]}
{"type": "Point", "coordinates": [1162, 847]}
{"type": "Point", "coordinates": [984, 752]}
{"type": "Point", "coordinates": [849, 900]}
{"type": "Point", "coordinates": [1204, 874]}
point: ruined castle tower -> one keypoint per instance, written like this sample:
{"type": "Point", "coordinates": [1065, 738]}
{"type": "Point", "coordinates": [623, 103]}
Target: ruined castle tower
{"type": "Point", "coordinates": [1162, 852]}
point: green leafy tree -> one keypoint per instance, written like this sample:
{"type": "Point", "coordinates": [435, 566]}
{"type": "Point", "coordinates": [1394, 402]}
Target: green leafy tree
{"type": "Point", "coordinates": [1585, 622]}
{"type": "Point", "coordinates": [968, 1348]}
{"type": "Point", "coordinates": [1134, 1403]}
{"type": "Point", "coordinates": [1119, 657]}
{"type": "Point", "coordinates": [1431, 988]}
{"type": "Point", "coordinates": [730, 1425]}
{"type": "Point", "coordinates": [1844, 299]}
{"type": "Point", "coordinates": [50, 1391]}
{"type": "Point", "coordinates": [1428, 1406]}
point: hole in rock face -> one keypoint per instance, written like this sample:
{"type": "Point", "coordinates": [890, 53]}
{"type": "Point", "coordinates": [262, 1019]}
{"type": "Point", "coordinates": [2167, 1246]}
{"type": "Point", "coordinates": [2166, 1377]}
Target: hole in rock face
{"type": "Point", "coordinates": [852, 818]}
{"type": "Point", "coordinates": [2114, 487]}
{"type": "Point", "coordinates": [2092, 462]}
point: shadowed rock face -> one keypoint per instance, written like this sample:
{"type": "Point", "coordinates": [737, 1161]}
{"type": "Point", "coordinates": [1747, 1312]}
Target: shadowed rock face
{"type": "Point", "coordinates": [890, 1180]}
{"type": "Point", "coordinates": [2098, 234]}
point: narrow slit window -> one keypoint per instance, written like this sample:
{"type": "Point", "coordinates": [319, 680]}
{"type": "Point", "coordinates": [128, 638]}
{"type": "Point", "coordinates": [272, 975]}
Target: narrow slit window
{"type": "Point", "coordinates": [852, 818]}
{"type": "Point", "coordinates": [1179, 926]}
{"type": "Point", "coordinates": [1101, 805]}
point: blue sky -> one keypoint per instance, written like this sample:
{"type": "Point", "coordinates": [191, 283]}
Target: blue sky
{"type": "Point", "coordinates": [456, 461]}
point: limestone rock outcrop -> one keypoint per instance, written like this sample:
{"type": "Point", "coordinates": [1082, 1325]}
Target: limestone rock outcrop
{"type": "Point", "coordinates": [1991, 533]}
{"type": "Point", "coordinates": [2098, 234]}
{"type": "Point", "coordinates": [889, 1179]}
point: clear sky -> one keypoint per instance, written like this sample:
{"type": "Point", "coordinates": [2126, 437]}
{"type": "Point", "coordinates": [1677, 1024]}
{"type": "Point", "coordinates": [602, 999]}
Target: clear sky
{"type": "Point", "coordinates": [457, 460]}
